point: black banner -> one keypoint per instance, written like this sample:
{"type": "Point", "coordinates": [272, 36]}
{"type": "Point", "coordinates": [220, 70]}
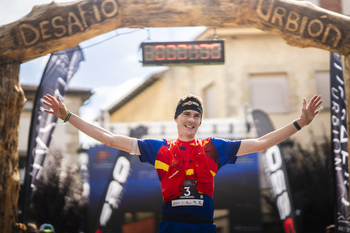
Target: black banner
{"type": "Point", "coordinates": [276, 173]}
{"type": "Point", "coordinates": [109, 169]}
{"type": "Point", "coordinates": [59, 70]}
{"type": "Point", "coordinates": [339, 144]}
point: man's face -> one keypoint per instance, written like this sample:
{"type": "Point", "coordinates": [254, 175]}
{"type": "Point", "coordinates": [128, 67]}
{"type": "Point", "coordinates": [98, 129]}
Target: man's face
{"type": "Point", "coordinates": [187, 124]}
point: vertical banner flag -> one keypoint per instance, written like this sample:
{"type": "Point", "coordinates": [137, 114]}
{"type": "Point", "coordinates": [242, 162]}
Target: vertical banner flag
{"type": "Point", "coordinates": [339, 144]}
{"type": "Point", "coordinates": [276, 174]}
{"type": "Point", "coordinates": [110, 169]}
{"type": "Point", "coordinates": [60, 68]}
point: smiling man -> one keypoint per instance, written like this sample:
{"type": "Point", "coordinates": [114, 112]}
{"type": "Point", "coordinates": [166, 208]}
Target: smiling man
{"type": "Point", "coordinates": [188, 116]}
{"type": "Point", "coordinates": [186, 169]}
{"type": "Point", "coordinates": [187, 166]}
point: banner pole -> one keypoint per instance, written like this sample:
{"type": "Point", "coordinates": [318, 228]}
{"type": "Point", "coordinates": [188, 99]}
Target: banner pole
{"type": "Point", "coordinates": [347, 93]}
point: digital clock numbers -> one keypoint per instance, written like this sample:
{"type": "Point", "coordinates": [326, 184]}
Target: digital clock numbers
{"type": "Point", "coordinates": [202, 52]}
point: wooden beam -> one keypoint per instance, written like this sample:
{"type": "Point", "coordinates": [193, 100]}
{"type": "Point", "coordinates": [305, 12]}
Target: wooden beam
{"type": "Point", "coordinates": [57, 26]}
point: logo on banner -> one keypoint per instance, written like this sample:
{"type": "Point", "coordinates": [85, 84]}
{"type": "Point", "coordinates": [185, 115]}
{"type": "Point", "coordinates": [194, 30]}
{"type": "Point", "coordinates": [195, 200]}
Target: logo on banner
{"type": "Point", "coordinates": [340, 143]}
{"type": "Point", "coordinates": [112, 199]}
{"type": "Point", "coordinates": [103, 155]}
{"type": "Point", "coordinates": [277, 177]}
{"type": "Point", "coordinates": [277, 180]}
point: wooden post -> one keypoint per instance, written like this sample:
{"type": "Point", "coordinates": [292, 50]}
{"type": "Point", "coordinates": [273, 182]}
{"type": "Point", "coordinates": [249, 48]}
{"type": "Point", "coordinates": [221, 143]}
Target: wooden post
{"type": "Point", "coordinates": [11, 105]}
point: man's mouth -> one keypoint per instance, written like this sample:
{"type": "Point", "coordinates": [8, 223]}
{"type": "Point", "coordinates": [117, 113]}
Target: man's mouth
{"type": "Point", "coordinates": [190, 127]}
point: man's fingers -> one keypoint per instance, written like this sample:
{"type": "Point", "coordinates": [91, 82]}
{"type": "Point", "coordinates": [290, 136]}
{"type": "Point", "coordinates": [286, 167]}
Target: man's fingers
{"type": "Point", "coordinates": [318, 104]}
{"type": "Point", "coordinates": [48, 111]}
{"type": "Point", "coordinates": [59, 99]}
{"type": "Point", "coordinates": [315, 102]}
{"type": "Point", "coordinates": [50, 100]}
{"type": "Point", "coordinates": [49, 97]}
{"type": "Point", "coordinates": [47, 104]}
{"type": "Point", "coordinates": [314, 98]}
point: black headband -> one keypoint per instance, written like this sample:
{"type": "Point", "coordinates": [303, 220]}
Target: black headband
{"type": "Point", "coordinates": [188, 104]}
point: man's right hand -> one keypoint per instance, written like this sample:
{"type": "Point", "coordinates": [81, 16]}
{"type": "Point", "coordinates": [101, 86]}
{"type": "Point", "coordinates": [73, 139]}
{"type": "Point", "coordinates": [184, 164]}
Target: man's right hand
{"type": "Point", "coordinates": [56, 106]}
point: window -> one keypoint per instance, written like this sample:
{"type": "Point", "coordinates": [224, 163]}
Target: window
{"type": "Point", "coordinates": [22, 168]}
{"type": "Point", "coordinates": [209, 101]}
{"type": "Point", "coordinates": [28, 106]}
{"type": "Point", "coordinates": [269, 93]}
{"type": "Point", "coordinates": [315, 2]}
{"type": "Point", "coordinates": [346, 7]}
{"type": "Point", "coordinates": [323, 83]}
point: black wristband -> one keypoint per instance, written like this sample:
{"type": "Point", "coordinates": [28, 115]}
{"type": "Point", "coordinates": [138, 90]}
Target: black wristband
{"type": "Point", "coordinates": [295, 123]}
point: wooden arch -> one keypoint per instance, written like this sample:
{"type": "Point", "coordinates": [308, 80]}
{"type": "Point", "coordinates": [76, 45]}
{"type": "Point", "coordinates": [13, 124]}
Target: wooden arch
{"type": "Point", "coordinates": [53, 27]}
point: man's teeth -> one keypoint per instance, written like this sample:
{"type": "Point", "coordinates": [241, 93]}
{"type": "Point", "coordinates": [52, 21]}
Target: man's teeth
{"type": "Point", "coordinates": [187, 126]}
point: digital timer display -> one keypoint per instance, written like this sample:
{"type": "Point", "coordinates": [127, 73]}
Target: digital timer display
{"type": "Point", "coordinates": [204, 52]}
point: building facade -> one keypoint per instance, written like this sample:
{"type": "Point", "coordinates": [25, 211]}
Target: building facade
{"type": "Point", "coordinates": [260, 72]}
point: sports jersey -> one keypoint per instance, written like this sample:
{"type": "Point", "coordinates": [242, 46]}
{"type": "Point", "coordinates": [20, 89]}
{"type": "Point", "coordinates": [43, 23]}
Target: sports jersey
{"type": "Point", "coordinates": [218, 153]}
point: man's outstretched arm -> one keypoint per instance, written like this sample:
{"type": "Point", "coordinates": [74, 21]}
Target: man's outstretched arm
{"type": "Point", "coordinates": [100, 134]}
{"type": "Point", "coordinates": [309, 111]}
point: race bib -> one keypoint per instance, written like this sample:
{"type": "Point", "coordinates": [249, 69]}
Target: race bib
{"type": "Point", "coordinates": [189, 196]}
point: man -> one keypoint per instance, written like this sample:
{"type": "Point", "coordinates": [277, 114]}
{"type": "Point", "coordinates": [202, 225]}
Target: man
{"type": "Point", "coordinates": [32, 228]}
{"type": "Point", "coordinates": [21, 228]}
{"type": "Point", "coordinates": [187, 166]}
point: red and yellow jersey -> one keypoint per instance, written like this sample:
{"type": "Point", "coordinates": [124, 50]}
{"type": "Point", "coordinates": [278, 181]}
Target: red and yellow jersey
{"type": "Point", "coordinates": [218, 152]}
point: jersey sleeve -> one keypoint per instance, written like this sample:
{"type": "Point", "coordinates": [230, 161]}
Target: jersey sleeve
{"type": "Point", "coordinates": [149, 149]}
{"type": "Point", "coordinates": [227, 150]}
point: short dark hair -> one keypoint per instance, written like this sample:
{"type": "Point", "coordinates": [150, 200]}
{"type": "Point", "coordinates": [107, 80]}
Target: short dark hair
{"type": "Point", "coordinates": [189, 102]}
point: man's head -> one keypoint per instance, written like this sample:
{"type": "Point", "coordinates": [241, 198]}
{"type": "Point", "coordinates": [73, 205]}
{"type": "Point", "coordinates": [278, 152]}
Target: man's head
{"type": "Point", "coordinates": [189, 102]}
{"type": "Point", "coordinates": [46, 227]}
{"type": "Point", "coordinates": [188, 116]}
{"type": "Point", "coordinates": [32, 228]}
